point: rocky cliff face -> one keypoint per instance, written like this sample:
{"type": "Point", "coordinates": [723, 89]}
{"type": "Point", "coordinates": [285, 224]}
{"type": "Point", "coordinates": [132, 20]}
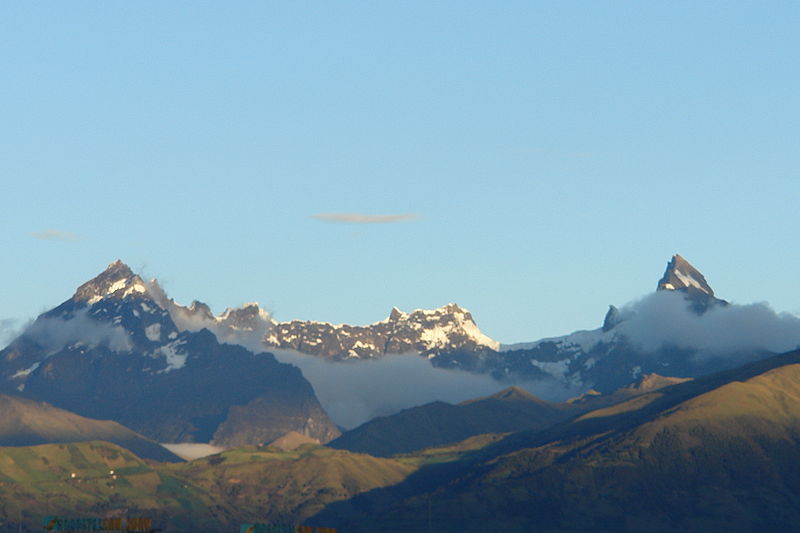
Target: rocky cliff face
{"type": "Point", "coordinates": [427, 332]}
{"type": "Point", "coordinates": [113, 351]}
{"type": "Point", "coordinates": [681, 276]}
{"type": "Point", "coordinates": [606, 358]}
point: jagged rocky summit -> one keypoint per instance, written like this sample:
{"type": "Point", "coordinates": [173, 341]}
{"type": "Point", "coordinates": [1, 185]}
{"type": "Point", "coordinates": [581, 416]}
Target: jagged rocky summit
{"type": "Point", "coordinates": [611, 356]}
{"type": "Point", "coordinates": [606, 358]}
{"type": "Point", "coordinates": [427, 332]}
{"type": "Point", "coordinates": [119, 350]}
{"type": "Point", "coordinates": [681, 276]}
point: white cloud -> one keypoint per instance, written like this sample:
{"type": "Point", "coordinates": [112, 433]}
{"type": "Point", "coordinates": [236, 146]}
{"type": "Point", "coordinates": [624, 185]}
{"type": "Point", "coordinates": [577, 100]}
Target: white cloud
{"type": "Point", "coordinates": [55, 235]}
{"type": "Point", "coordinates": [9, 330]}
{"type": "Point", "coordinates": [358, 218]}
{"type": "Point", "coordinates": [665, 318]}
{"type": "Point", "coordinates": [55, 333]}
{"type": "Point", "coordinates": [357, 391]}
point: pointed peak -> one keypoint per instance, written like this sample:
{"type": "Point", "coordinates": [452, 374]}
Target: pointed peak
{"type": "Point", "coordinates": [681, 275]}
{"type": "Point", "coordinates": [612, 318]}
{"type": "Point", "coordinates": [117, 279]}
{"type": "Point", "coordinates": [650, 382]}
{"type": "Point", "coordinates": [510, 394]}
{"type": "Point", "coordinates": [514, 393]}
{"type": "Point", "coordinates": [396, 314]}
{"type": "Point", "coordinates": [119, 267]}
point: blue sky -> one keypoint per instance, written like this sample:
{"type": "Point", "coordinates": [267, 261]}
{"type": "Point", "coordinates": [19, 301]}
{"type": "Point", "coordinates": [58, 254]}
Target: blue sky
{"type": "Point", "coordinates": [542, 160]}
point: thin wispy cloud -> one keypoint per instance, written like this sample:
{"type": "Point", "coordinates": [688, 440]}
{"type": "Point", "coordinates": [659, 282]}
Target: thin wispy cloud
{"type": "Point", "coordinates": [8, 330]}
{"type": "Point", "coordinates": [54, 235]}
{"type": "Point", "coordinates": [359, 218]}
{"type": "Point", "coordinates": [556, 153]}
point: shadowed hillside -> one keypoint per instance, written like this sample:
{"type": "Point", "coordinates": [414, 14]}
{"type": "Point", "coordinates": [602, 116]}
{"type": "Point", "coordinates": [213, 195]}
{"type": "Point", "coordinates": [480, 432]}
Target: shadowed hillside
{"type": "Point", "coordinates": [26, 422]}
{"type": "Point", "coordinates": [440, 423]}
{"type": "Point", "coordinates": [712, 455]}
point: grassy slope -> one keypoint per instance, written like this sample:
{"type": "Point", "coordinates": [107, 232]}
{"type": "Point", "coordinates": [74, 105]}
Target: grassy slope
{"type": "Point", "coordinates": [38, 481]}
{"type": "Point", "coordinates": [710, 455]}
{"type": "Point", "coordinates": [25, 422]}
{"type": "Point", "coordinates": [215, 493]}
{"type": "Point", "coordinates": [268, 484]}
{"type": "Point", "coordinates": [717, 454]}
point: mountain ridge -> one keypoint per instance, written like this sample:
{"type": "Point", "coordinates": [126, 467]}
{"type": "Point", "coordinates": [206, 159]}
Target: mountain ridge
{"type": "Point", "coordinates": [714, 454]}
{"type": "Point", "coordinates": [440, 423]}
{"type": "Point", "coordinates": [112, 351]}
{"type": "Point", "coordinates": [25, 422]}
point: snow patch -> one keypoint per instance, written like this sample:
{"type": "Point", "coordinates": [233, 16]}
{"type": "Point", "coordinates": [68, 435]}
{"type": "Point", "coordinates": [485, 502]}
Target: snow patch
{"type": "Point", "coordinates": [174, 359]}
{"type": "Point", "coordinates": [153, 332]}
{"type": "Point", "coordinates": [557, 369]}
{"type": "Point", "coordinates": [117, 285]}
{"type": "Point", "coordinates": [583, 340]}
{"type": "Point", "coordinates": [137, 287]}
{"type": "Point", "coordinates": [688, 280]}
{"type": "Point", "coordinates": [23, 373]}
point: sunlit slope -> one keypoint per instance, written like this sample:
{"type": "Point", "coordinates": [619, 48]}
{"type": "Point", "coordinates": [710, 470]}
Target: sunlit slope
{"type": "Point", "coordinates": [26, 422]}
{"type": "Point", "coordinates": [76, 480]}
{"type": "Point", "coordinates": [717, 454]}
{"type": "Point", "coordinates": [765, 406]}
{"type": "Point", "coordinates": [215, 493]}
{"type": "Point", "coordinates": [258, 484]}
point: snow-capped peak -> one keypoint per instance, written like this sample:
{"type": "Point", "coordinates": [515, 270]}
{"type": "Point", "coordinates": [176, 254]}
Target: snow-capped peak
{"type": "Point", "coordinates": [680, 274]}
{"type": "Point", "coordinates": [440, 327]}
{"type": "Point", "coordinates": [117, 281]}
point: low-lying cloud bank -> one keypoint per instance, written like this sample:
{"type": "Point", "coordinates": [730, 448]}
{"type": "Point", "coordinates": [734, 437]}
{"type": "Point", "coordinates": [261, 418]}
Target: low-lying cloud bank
{"type": "Point", "coordinates": [355, 392]}
{"type": "Point", "coordinates": [9, 330]}
{"type": "Point", "coordinates": [664, 318]}
{"type": "Point", "coordinates": [56, 333]}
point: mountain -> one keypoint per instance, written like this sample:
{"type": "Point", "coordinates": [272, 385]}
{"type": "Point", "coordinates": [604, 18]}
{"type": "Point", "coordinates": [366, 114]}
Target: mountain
{"type": "Point", "coordinates": [715, 454]}
{"type": "Point", "coordinates": [593, 399]}
{"type": "Point", "coordinates": [607, 358]}
{"type": "Point", "coordinates": [113, 351]}
{"type": "Point", "coordinates": [25, 422]}
{"type": "Point", "coordinates": [439, 423]}
{"type": "Point", "coordinates": [291, 441]}
{"type": "Point", "coordinates": [681, 276]}
{"type": "Point", "coordinates": [628, 346]}
{"type": "Point", "coordinates": [427, 332]}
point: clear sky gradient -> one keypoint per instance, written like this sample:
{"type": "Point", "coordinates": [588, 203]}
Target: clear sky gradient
{"type": "Point", "coordinates": [533, 162]}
